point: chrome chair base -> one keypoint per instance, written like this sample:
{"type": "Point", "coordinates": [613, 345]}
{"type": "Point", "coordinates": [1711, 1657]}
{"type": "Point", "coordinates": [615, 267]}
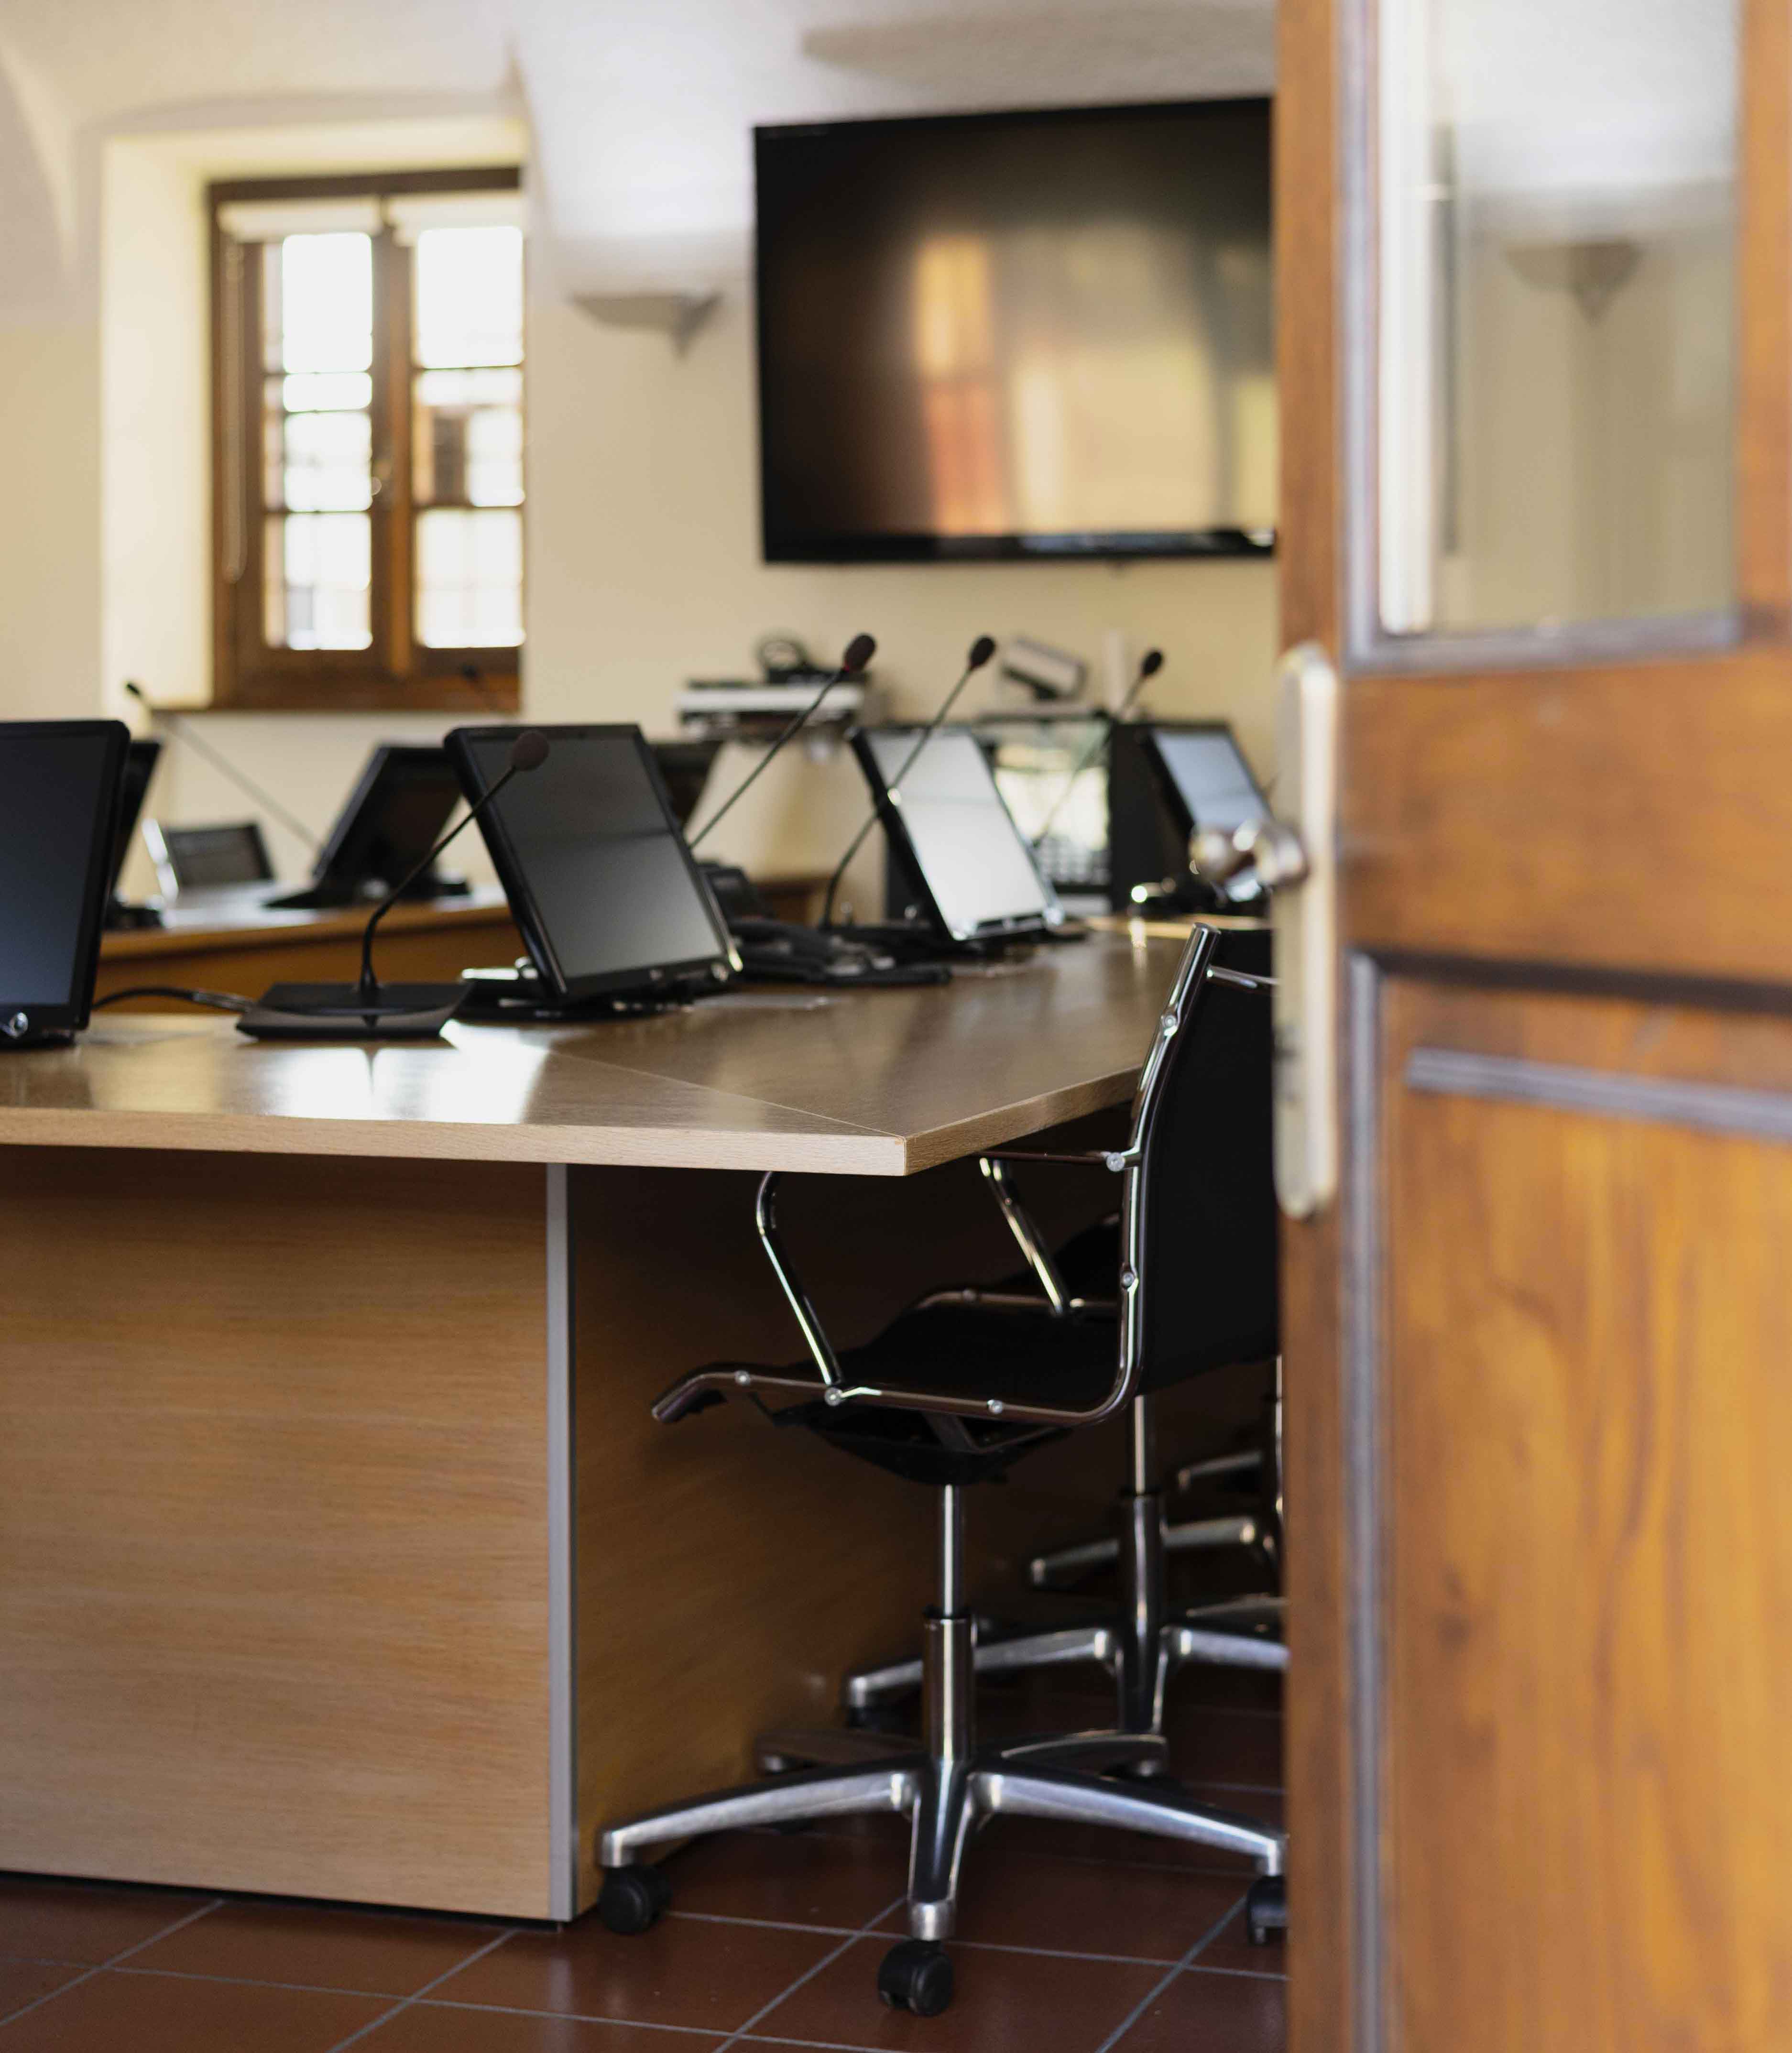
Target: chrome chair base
{"type": "Point", "coordinates": [945, 1787]}
{"type": "Point", "coordinates": [1225, 1635]}
{"type": "Point", "coordinates": [1046, 1572]}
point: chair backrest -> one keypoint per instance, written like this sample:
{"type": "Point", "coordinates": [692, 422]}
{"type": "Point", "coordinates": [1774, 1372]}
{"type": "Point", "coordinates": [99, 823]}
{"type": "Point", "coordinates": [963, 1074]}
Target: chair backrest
{"type": "Point", "coordinates": [1199, 1225]}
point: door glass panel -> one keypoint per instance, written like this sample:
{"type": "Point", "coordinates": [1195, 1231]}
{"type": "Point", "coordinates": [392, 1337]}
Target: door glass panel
{"type": "Point", "coordinates": [1557, 196]}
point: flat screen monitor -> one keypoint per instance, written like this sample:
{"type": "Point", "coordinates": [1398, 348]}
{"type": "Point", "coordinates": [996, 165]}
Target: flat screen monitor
{"type": "Point", "coordinates": [591, 858]}
{"type": "Point", "coordinates": [398, 808]}
{"type": "Point", "coordinates": [1017, 334]}
{"type": "Point", "coordinates": [208, 859]}
{"type": "Point", "coordinates": [59, 794]}
{"type": "Point", "coordinates": [1206, 774]}
{"type": "Point", "coordinates": [140, 759]}
{"type": "Point", "coordinates": [1052, 774]}
{"type": "Point", "coordinates": [956, 838]}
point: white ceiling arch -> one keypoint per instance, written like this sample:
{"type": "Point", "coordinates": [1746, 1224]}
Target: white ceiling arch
{"type": "Point", "coordinates": [641, 110]}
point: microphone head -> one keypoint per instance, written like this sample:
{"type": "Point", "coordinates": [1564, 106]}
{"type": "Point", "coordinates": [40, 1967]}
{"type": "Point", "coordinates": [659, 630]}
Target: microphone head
{"type": "Point", "coordinates": [981, 650]}
{"type": "Point", "coordinates": [859, 651]}
{"type": "Point", "coordinates": [529, 750]}
{"type": "Point", "coordinates": [1152, 663]}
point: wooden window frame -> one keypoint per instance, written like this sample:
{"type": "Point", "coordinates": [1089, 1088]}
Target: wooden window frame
{"type": "Point", "coordinates": [395, 673]}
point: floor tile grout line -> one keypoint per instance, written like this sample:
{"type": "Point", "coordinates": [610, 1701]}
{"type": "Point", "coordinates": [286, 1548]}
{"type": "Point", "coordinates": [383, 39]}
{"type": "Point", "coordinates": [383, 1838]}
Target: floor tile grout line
{"type": "Point", "coordinates": [268, 1981]}
{"type": "Point", "coordinates": [983, 1945]}
{"type": "Point", "coordinates": [37, 2002]}
{"type": "Point", "coordinates": [101, 1967]}
{"type": "Point", "coordinates": [566, 2016]}
{"type": "Point", "coordinates": [1239, 1974]}
{"type": "Point", "coordinates": [1138, 1866]}
{"type": "Point", "coordinates": [866, 1930]}
{"type": "Point", "coordinates": [1144, 2003]}
{"type": "Point", "coordinates": [386, 2016]}
{"type": "Point", "coordinates": [766, 1923]}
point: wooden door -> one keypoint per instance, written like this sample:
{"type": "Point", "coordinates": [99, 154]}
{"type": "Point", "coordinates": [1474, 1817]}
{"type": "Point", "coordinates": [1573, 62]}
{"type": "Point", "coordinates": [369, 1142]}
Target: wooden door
{"type": "Point", "coordinates": [1536, 367]}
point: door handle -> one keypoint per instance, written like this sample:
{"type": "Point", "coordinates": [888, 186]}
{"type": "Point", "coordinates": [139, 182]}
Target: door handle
{"type": "Point", "coordinates": [1294, 858]}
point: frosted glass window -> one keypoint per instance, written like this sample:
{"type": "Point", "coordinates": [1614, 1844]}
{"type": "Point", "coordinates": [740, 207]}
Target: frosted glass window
{"type": "Point", "coordinates": [469, 297]}
{"type": "Point", "coordinates": [317, 328]}
{"type": "Point", "coordinates": [467, 437]}
{"type": "Point", "coordinates": [470, 579]}
{"type": "Point", "coordinates": [319, 575]}
{"type": "Point", "coordinates": [1556, 193]}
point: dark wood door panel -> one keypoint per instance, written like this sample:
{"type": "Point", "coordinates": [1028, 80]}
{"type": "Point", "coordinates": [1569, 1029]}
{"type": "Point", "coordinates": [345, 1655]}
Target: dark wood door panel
{"type": "Point", "coordinates": [1633, 818]}
{"type": "Point", "coordinates": [1586, 1575]}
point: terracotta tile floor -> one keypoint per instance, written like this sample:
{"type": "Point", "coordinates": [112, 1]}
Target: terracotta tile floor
{"type": "Point", "coordinates": [1072, 1940]}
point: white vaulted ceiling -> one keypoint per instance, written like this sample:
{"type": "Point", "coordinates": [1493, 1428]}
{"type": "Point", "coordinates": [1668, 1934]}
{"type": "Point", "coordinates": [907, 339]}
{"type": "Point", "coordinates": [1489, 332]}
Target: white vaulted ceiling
{"type": "Point", "coordinates": [641, 109]}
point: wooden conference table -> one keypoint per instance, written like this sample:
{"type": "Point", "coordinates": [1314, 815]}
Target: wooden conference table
{"type": "Point", "coordinates": [338, 1554]}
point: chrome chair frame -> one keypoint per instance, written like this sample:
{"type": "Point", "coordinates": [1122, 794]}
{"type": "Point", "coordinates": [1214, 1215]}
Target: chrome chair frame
{"type": "Point", "coordinates": [949, 1783]}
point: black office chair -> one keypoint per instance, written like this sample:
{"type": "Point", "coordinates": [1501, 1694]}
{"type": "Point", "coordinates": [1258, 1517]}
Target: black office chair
{"type": "Point", "coordinates": [952, 1394]}
{"type": "Point", "coordinates": [1142, 1642]}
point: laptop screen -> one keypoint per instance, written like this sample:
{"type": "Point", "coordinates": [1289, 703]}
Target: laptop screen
{"type": "Point", "coordinates": [400, 805]}
{"type": "Point", "coordinates": [972, 859]}
{"type": "Point", "coordinates": [1211, 776]}
{"type": "Point", "coordinates": [596, 870]}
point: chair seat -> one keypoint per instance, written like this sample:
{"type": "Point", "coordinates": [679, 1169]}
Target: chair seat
{"type": "Point", "coordinates": [959, 1349]}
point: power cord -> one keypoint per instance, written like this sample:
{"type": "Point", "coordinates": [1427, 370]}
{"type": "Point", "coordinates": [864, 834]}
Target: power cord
{"type": "Point", "coordinates": [217, 1001]}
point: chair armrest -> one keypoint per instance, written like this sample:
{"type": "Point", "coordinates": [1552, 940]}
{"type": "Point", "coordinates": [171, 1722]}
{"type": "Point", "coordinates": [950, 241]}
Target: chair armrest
{"type": "Point", "coordinates": [815, 1334]}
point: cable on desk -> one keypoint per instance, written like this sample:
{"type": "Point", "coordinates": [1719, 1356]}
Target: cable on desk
{"type": "Point", "coordinates": [218, 1001]}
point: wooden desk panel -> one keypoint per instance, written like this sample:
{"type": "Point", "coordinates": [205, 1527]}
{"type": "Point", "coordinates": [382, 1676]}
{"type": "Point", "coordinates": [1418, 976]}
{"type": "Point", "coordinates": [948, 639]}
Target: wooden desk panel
{"type": "Point", "coordinates": [273, 1526]}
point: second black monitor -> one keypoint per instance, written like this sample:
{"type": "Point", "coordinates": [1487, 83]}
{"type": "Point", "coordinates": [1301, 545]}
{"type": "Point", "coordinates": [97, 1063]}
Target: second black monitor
{"type": "Point", "coordinates": [1165, 779]}
{"type": "Point", "coordinates": [589, 853]}
{"type": "Point", "coordinates": [955, 838]}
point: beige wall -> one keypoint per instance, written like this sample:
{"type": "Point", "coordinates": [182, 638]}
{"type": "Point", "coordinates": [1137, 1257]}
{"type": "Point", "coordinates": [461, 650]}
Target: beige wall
{"type": "Point", "coordinates": [644, 553]}
{"type": "Point", "coordinates": [50, 520]}
{"type": "Point", "coordinates": [643, 545]}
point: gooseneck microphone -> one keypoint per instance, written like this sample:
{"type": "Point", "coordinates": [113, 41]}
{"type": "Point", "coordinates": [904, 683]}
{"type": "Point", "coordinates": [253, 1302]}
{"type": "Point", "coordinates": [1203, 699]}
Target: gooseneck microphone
{"type": "Point", "coordinates": [857, 654]}
{"type": "Point", "coordinates": [980, 651]}
{"type": "Point", "coordinates": [1150, 665]}
{"type": "Point", "coordinates": [184, 733]}
{"type": "Point", "coordinates": [528, 751]}
{"type": "Point", "coordinates": [368, 1010]}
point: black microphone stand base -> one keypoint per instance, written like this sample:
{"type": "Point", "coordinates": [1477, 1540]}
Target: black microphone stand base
{"type": "Point", "coordinates": [339, 1012]}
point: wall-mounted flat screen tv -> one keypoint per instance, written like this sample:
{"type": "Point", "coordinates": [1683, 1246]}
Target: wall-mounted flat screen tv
{"type": "Point", "coordinates": [1031, 335]}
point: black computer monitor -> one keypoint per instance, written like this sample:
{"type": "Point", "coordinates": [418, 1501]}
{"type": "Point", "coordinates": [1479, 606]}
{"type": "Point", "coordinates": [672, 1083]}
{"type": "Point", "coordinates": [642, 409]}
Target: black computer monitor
{"type": "Point", "coordinates": [1167, 777]}
{"type": "Point", "coordinates": [972, 869]}
{"type": "Point", "coordinates": [607, 895]}
{"type": "Point", "coordinates": [140, 759]}
{"type": "Point", "coordinates": [1051, 770]}
{"type": "Point", "coordinates": [394, 815]}
{"type": "Point", "coordinates": [59, 782]}
{"type": "Point", "coordinates": [686, 766]}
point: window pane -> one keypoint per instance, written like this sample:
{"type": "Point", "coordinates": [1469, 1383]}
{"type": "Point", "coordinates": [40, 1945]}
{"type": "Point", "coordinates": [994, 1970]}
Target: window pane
{"type": "Point", "coordinates": [320, 311]}
{"type": "Point", "coordinates": [318, 440]}
{"type": "Point", "coordinates": [469, 437]}
{"type": "Point", "coordinates": [469, 579]}
{"type": "Point", "coordinates": [319, 461]}
{"type": "Point", "coordinates": [318, 567]}
{"type": "Point", "coordinates": [469, 296]}
{"type": "Point", "coordinates": [1558, 294]}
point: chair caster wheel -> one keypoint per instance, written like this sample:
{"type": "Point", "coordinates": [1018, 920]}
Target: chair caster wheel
{"type": "Point", "coordinates": [916, 1976]}
{"type": "Point", "coordinates": [1266, 1909]}
{"type": "Point", "coordinates": [631, 1899]}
